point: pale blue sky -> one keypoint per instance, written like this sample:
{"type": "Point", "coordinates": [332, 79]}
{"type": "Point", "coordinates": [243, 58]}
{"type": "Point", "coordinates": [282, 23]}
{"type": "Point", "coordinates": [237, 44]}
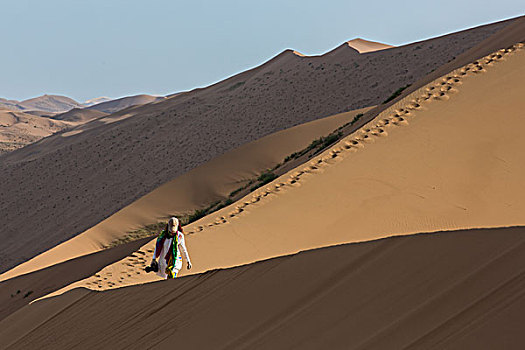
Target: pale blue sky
{"type": "Point", "coordinates": [86, 49]}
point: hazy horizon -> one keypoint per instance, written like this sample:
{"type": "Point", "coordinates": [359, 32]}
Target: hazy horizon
{"type": "Point", "coordinates": [88, 50]}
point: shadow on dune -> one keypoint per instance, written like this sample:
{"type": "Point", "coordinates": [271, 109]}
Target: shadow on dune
{"type": "Point", "coordinates": [21, 290]}
{"type": "Point", "coordinates": [460, 289]}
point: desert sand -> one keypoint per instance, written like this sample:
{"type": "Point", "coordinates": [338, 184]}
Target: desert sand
{"type": "Point", "coordinates": [506, 37]}
{"type": "Point", "coordinates": [119, 104]}
{"type": "Point", "coordinates": [205, 184]}
{"type": "Point", "coordinates": [96, 101]}
{"type": "Point", "coordinates": [80, 115]}
{"type": "Point", "coordinates": [453, 290]}
{"type": "Point", "coordinates": [456, 289]}
{"type": "Point", "coordinates": [21, 126]}
{"type": "Point", "coordinates": [44, 103]}
{"type": "Point", "coordinates": [428, 163]}
{"type": "Point", "coordinates": [407, 233]}
{"type": "Point", "coordinates": [364, 46]}
{"type": "Point", "coordinates": [18, 129]}
{"type": "Point", "coordinates": [73, 183]}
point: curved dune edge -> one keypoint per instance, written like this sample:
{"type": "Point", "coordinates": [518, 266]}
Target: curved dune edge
{"type": "Point", "coordinates": [423, 165]}
{"type": "Point", "coordinates": [200, 186]}
{"type": "Point", "coordinates": [453, 290]}
{"type": "Point", "coordinates": [364, 46]}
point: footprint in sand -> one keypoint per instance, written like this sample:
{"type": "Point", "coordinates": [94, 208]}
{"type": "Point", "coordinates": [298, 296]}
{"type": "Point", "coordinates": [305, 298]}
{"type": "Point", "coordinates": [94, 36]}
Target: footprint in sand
{"type": "Point", "coordinates": [379, 132]}
{"type": "Point", "coordinates": [440, 89]}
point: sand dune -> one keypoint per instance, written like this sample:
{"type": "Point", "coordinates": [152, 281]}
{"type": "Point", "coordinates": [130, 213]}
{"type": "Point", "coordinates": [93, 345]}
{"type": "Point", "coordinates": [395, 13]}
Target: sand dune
{"type": "Point", "coordinates": [194, 190]}
{"type": "Point", "coordinates": [50, 103]}
{"type": "Point", "coordinates": [118, 104]}
{"type": "Point", "coordinates": [18, 129]}
{"type": "Point", "coordinates": [96, 101]}
{"type": "Point", "coordinates": [80, 115]}
{"type": "Point", "coordinates": [72, 183]}
{"type": "Point", "coordinates": [11, 105]}
{"type": "Point", "coordinates": [506, 37]}
{"type": "Point", "coordinates": [21, 290]}
{"type": "Point", "coordinates": [351, 48]}
{"type": "Point", "coordinates": [431, 162]}
{"type": "Point", "coordinates": [454, 290]}
{"type": "Point", "coordinates": [444, 156]}
{"type": "Point", "coordinates": [364, 46]}
{"type": "Point", "coordinates": [28, 130]}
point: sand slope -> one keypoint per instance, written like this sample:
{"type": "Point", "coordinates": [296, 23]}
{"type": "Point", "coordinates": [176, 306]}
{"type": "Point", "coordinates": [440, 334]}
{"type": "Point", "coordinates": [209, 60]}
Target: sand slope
{"type": "Point", "coordinates": [96, 101]}
{"type": "Point", "coordinates": [50, 103]}
{"type": "Point", "coordinates": [12, 105]}
{"type": "Point", "coordinates": [506, 37]}
{"type": "Point", "coordinates": [21, 290]}
{"type": "Point", "coordinates": [72, 183]}
{"type": "Point", "coordinates": [79, 115]}
{"type": "Point", "coordinates": [18, 129]}
{"type": "Point", "coordinates": [118, 104]}
{"type": "Point", "coordinates": [455, 290]}
{"type": "Point", "coordinates": [194, 190]}
{"type": "Point", "coordinates": [431, 162]}
{"type": "Point", "coordinates": [364, 46]}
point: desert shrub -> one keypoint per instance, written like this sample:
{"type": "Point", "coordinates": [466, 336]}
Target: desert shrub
{"type": "Point", "coordinates": [317, 144]}
{"type": "Point", "coordinates": [234, 192]}
{"type": "Point", "coordinates": [356, 118]}
{"type": "Point", "coordinates": [396, 93]}
{"type": "Point", "coordinates": [197, 214]}
{"type": "Point", "coordinates": [330, 139]}
{"type": "Point", "coordinates": [145, 231]}
{"type": "Point", "coordinates": [266, 177]}
{"type": "Point", "coordinates": [236, 85]}
{"type": "Point", "coordinates": [224, 204]}
{"type": "Point", "coordinates": [292, 156]}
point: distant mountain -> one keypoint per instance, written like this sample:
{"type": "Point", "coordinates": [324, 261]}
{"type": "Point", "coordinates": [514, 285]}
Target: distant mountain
{"type": "Point", "coordinates": [124, 102]}
{"type": "Point", "coordinates": [11, 105]}
{"type": "Point", "coordinates": [50, 103]}
{"type": "Point", "coordinates": [28, 121]}
{"type": "Point", "coordinates": [18, 129]}
{"type": "Point", "coordinates": [44, 103]}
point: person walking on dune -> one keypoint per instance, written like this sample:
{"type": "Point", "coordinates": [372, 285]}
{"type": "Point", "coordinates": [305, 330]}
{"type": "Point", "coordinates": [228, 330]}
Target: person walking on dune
{"type": "Point", "coordinates": [168, 247]}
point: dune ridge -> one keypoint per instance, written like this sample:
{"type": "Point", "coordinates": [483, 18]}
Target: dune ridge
{"type": "Point", "coordinates": [395, 116]}
{"type": "Point", "coordinates": [506, 37]}
{"type": "Point", "coordinates": [91, 174]}
{"type": "Point", "coordinates": [331, 254]}
{"type": "Point", "coordinates": [364, 46]}
{"type": "Point", "coordinates": [196, 189]}
{"type": "Point", "coordinates": [18, 129]}
{"type": "Point", "coordinates": [115, 105]}
{"type": "Point", "coordinates": [454, 290]}
{"type": "Point", "coordinates": [79, 115]}
{"type": "Point", "coordinates": [243, 223]}
{"type": "Point", "coordinates": [50, 103]}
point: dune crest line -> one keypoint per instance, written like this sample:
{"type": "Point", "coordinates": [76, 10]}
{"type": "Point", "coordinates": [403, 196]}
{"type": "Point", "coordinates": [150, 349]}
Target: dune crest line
{"type": "Point", "coordinates": [129, 270]}
{"type": "Point", "coordinates": [396, 115]}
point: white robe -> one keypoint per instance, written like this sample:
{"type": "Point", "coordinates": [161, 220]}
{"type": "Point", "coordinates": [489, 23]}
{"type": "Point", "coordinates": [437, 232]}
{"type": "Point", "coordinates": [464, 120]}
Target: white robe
{"type": "Point", "coordinates": [178, 259]}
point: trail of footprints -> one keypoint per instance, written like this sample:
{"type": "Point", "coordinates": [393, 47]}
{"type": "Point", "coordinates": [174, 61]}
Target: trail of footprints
{"type": "Point", "coordinates": [133, 264]}
{"type": "Point", "coordinates": [396, 115]}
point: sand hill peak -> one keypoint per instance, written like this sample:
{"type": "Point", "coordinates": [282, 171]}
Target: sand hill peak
{"type": "Point", "coordinates": [363, 45]}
